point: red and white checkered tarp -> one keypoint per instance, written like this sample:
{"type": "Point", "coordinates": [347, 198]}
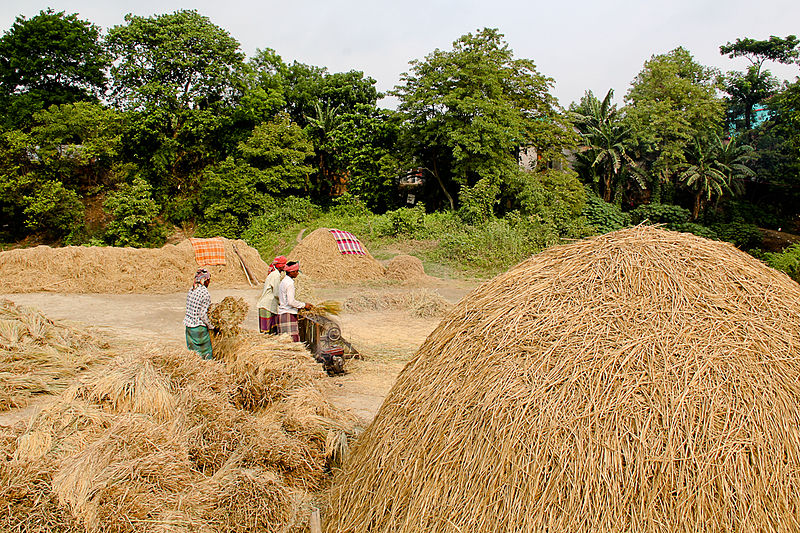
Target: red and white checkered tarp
{"type": "Point", "coordinates": [347, 242]}
{"type": "Point", "coordinates": [209, 251]}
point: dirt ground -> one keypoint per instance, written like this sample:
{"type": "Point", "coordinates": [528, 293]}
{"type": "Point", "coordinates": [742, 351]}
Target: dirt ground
{"type": "Point", "coordinates": [386, 339]}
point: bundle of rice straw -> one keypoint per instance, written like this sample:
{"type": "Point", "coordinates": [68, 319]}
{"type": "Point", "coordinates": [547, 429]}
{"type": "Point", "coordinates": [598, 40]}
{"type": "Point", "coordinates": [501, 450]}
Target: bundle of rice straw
{"type": "Point", "coordinates": [642, 380]}
{"type": "Point", "coordinates": [40, 356]}
{"type": "Point", "coordinates": [105, 269]}
{"type": "Point", "coordinates": [163, 441]}
{"type": "Point", "coordinates": [325, 308]}
{"type": "Point", "coordinates": [406, 268]}
{"type": "Point", "coordinates": [320, 259]}
{"type": "Point", "coordinates": [422, 303]}
{"type": "Point", "coordinates": [228, 315]}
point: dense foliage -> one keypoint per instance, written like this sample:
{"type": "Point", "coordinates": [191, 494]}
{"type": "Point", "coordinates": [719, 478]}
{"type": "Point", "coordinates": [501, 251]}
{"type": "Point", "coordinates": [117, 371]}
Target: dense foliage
{"type": "Point", "coordinates": [165, 122]}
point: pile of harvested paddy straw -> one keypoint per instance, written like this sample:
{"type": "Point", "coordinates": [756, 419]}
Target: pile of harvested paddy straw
{"type": "Point", "coordinates": [40, 356]}
{"type": "Point", "coordinates": [406, 268]}
{"type": "Point", "coordinates": [320, 259]}
{"type": "Point", "coordinates": [421, 303]}
{"type": "Point", "coordinates": [163, 441]}
{"type": "Point", "coordinates": [105, 269]}
{"type": "Point", "coordinates": [228, 315]}
{"type": "Point", "coordinates": [643, 380]}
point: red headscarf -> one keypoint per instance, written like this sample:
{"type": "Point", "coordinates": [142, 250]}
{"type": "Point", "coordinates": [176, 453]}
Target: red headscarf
{"type": "Point", "coordinates": [278, 262]}
{"type": "Point", "coordinates": [292, 268]}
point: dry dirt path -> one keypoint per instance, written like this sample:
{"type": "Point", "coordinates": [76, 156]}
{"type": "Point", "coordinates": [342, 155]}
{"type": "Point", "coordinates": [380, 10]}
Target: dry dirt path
{"type": "Point", "coordinates": [387, 339]}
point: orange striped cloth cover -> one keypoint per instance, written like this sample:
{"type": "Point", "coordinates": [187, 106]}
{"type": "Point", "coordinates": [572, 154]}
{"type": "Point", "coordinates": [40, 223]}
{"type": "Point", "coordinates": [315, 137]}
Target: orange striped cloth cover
{"type": "Point", "coordinates": [209, 251]}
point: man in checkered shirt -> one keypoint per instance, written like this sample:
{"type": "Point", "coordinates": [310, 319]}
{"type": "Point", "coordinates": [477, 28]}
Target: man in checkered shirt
{"type": "Point", "coordinates": [196, 321]}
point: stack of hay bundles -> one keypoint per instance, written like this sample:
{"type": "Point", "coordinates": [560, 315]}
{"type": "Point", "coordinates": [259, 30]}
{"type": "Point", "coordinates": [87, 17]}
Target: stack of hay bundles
{"type": "Point", "coordinates": [642, 380]}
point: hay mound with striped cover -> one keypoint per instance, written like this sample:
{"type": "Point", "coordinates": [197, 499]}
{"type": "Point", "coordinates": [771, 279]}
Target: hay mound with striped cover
{"type": "Point", "coordinates": [320, 259]}
{"type": "Point", "coordinates": [642, 380]}
{"type": "Point", "coordinates": [110, 270]}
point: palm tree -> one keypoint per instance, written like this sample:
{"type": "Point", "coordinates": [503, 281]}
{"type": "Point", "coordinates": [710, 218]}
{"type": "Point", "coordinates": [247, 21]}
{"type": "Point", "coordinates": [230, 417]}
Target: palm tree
{"type": "Point", "coordinates": [320, 127]}
{"type": "Point", "coordinates": [606, 139]}
{"type": "Point", "coordinates": [713, 166]}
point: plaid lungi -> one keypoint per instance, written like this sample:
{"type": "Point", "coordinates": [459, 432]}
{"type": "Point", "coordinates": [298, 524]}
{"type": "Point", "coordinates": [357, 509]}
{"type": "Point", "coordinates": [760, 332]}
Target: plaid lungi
{"type": "Point", "coordinates": [287, 323]}
{"type": "Point", "coordinates": [267, 322]}
{"type": "Point", "coordinates": [209, 251]}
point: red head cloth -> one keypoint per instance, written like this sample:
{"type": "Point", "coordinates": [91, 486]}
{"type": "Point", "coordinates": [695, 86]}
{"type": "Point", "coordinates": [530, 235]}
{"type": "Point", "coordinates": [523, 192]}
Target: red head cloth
{"type": "Point", "coordinates": [292, 268]}
{"type": "Point", "coordinates": [279, 262]}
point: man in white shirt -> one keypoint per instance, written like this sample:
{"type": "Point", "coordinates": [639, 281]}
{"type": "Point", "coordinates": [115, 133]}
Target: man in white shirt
{"type": "Point", "coordinates": [288, 305]}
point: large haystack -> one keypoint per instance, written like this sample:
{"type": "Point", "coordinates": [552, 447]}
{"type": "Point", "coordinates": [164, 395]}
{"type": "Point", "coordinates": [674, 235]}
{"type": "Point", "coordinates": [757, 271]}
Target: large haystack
{"type": "Point", "coordinates": [81, 269]}
{"type": "Point", "coordinates": [642, 380]}
{"type": "Point", "coordinates": [320, 259]}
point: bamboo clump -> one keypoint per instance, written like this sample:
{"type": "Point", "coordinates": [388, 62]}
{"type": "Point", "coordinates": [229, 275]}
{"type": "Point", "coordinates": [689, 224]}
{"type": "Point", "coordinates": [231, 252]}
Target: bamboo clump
{"type": "Point", "coordinates": [642, 380]}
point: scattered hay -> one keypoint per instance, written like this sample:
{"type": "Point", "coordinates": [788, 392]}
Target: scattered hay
{"type": "Point", "coordinates": [105, 269]}
{"type": "Point", "coordinates": [163, 441]}
{"type": "Point", "coordinates": [326, 308]}
{"type": "Point", "coordinates": [40, 356]}
{"type": "Point", "coordinates": [405, 268]}
{"type": "Point", "coordinates": [228, 315]}
{"type": "Point", "coordinates": [422, 303]}
{"type": "Point", "coordinates": [640, 380]}
{"type": "Point", "coordinates": [320, 259]}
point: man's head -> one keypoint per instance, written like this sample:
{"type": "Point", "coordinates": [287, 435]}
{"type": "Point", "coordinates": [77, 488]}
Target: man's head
{"type": "Point", "coordinates": [279, 262]}
{"type": "Point", "coordinates": [202, 277]}
{"type": "Point", "coordinates": [292, 269]}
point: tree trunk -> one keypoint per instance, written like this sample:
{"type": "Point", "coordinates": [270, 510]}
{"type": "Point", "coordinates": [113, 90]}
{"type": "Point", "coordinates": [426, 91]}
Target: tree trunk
{"type": "Point", "coordinates": [607, 188]}
{"type": "Point", "coordinates": [441, 185]}
{"type": "Point", "coordinates": [698, 202]}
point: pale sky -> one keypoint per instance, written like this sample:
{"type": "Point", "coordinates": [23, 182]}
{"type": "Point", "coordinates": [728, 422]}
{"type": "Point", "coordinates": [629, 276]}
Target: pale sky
{"type": "Point", "coordinates": [581, 44]}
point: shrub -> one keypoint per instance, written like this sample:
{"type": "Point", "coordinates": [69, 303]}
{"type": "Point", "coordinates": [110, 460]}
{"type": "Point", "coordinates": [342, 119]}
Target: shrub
{"type": "Point", "coordinates": [604, 216]}
{"type": "Point", "coordinates": [134, 212]}
{"type": "Point", "coordinates": [668, 214]}
{"type": "Point", "coordinates": [741, 234]}
{"type": "Point", "coordinates": [477, 202]}
{"type": "Point", "coordinates": [787, 261]}
{"type": "Point", "coordinates": [53, 209]}
{"type": "Point", "coordinates": [405, 222]}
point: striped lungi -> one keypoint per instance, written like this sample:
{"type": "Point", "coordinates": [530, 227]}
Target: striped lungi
{"type": "Point", "coordinates": [267, 322]}
{"type": "Point", "coordinates": [287, 323]}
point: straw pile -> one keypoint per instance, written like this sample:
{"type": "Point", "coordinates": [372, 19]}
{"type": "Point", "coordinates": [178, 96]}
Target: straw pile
{"type": "Point", "coordinates": [421, 303]}
{"type": "Point", "coordinates": [319, 258]}
{"type": "Point", "coordinates": [643, 380]}
{"type": "Point", "coordinates": [40, 356]}
{"type": "Point", "coordinates": [228, 315]}
{"type": "Point", "coordinates": [162, 441]}
{"type": "Point", "coordinates": [81, 269]}
{"type": "Point", "coordinates": [405, 268]}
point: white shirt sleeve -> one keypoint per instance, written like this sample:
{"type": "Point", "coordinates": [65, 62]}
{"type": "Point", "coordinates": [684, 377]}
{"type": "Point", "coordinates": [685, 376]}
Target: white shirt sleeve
{"type": "Point", "coordinates": [290, 299]}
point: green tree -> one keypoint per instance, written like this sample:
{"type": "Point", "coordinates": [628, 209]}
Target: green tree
{"type": "Point", "coordinates": [755, 85]}
{"type": "Point", "coordinates": [50, 59]}
{"type": "Point", "coordinates": [278, 150]}
{"type": "Point", "coordinates": [134, 216]}
{"type": "Point", "coordinates": [672, 101]}
{"type": "Point", "coordinates": [180, 76]}
{"type": "Point", "coordinates": [468, 111]}
{"type": "Point", "coordinates": [607, 140]}
{"type": "Point", "coordinates": [78, 143]}
{"type": "Point", "coordinates": [711, 169]}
